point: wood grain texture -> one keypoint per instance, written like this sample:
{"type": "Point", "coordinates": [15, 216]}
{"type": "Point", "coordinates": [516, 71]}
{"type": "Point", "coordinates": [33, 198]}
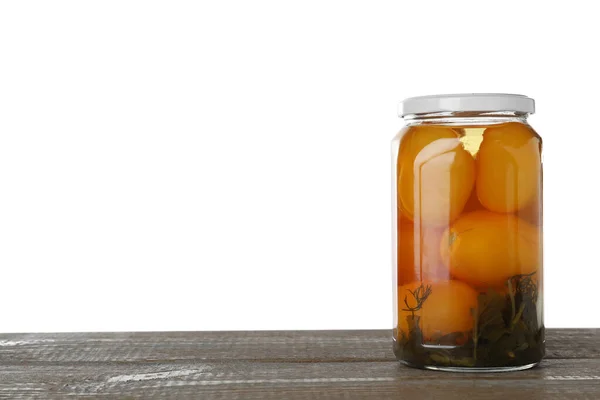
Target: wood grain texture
{"type": "Point", "coordinates": [273, 365]}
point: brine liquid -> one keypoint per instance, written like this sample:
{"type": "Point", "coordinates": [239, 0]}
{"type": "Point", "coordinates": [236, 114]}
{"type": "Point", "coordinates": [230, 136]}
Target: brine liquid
{"type": "Point", "coordinates": [469, 246]}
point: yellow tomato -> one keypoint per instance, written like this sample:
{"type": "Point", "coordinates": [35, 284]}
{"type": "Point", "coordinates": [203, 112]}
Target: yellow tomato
{"type": "Point", "coordinates": [418, 253]}
{"type": "Point", "coordinates": [484, 249]}
{"type": "Point", "coordinates": [435, 175]}
{"type": "Point", "coordinates": [446, 310]}
{"type": "Point", "coordinates": [508, 167]}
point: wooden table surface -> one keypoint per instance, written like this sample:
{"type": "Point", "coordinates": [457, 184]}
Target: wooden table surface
{"type": "Point", "coordinates": [274, 365]}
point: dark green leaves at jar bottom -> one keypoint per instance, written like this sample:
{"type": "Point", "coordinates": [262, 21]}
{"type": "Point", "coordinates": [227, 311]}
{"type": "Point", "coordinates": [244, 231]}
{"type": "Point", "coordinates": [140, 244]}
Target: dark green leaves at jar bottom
{"type": "Point", "coordinates": [506, 332]}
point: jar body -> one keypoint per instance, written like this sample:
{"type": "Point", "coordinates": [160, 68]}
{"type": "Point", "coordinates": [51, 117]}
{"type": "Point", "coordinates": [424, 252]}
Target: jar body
{"type": "Point", "coordinates": [467, 256]}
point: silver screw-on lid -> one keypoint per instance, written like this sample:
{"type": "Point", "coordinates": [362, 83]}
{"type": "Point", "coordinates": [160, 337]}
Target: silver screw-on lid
{"type": "Point", "coordinates": [480, 102]}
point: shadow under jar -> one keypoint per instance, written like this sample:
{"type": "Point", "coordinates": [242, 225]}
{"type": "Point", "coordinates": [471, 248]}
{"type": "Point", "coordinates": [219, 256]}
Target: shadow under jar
{"type": "Point", "coordinates": [467, 216]}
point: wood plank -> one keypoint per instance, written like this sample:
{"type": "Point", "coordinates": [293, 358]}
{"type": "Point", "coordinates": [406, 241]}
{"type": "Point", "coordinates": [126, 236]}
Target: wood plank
{"type": "Point", "coordinates": [210, 346]}
{"type": "Point", "coordinates": [250, 379]}
{"type": "Point", "coordinates": [267, 346]}
{"type": "Point", "coordinates": [273, 365]}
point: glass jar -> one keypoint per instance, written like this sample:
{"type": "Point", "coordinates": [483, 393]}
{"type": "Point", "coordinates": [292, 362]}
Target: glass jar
{"type": "Point", "coordinates": [467, 217]}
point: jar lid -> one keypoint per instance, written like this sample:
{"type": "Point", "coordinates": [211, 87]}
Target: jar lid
{"type": "Point", "coordinates": [467, 102]}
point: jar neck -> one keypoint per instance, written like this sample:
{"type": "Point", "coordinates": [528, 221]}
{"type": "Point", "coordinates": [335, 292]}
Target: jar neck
{"type": "Point", "coordinates": [466, 118]}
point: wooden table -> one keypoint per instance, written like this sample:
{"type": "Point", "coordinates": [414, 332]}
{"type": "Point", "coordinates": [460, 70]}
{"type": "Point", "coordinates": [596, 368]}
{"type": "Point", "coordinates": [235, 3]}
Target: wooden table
{"type": "Point", "coordinates": [274, 365]}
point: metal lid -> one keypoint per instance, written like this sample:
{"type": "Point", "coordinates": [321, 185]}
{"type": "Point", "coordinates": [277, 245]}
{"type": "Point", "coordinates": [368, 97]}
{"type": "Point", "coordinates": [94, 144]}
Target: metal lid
{"type": "Point", "coordinates": [467, 102]}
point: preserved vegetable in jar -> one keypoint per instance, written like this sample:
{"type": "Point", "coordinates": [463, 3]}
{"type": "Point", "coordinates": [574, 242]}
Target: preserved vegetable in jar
{"type": "Point", "coordinates": [508, 167]}
{"type": "Point", "coordinates": [468, 226]}
{"type": "Point", "coordinates": [433, 161]}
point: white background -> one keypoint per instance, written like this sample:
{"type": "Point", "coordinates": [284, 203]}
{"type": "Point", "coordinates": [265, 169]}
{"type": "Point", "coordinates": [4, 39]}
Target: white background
{"type": "Point", "coordinates": [171, 165]}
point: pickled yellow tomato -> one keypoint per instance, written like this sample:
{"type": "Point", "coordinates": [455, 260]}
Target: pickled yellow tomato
{"type": "Point", "coordinates": [485, 249]}
{"type": "Point", "coordinates": [435, 175]}
{"type": "Point", "coordinates": [448, 308]}
{"type": "Point", "coordinates": [419, 253]}
{"type": "Point", "coordinates": [508, 167]}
